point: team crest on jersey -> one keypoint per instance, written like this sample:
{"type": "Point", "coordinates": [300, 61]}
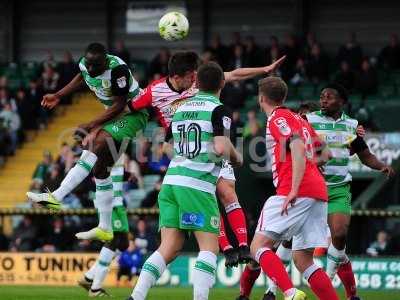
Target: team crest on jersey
{"type": "Point", "coordinates": [226, 121]}
{"type": "Point", "coordinates": [121, 82]}
{"type": "Point", "coordinates": [283, 126]}
{"type": "Point", "coordinates": [105, 83]}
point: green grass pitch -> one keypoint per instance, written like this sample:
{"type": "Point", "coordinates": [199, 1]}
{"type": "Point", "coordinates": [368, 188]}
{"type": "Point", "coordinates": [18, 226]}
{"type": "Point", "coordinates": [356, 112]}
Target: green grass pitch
{"type": "Point", "coordinates": [76, 293]}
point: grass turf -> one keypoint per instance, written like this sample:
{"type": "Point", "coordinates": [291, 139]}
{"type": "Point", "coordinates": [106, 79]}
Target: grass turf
{"type": "Point", "coordinates": [76, 293]}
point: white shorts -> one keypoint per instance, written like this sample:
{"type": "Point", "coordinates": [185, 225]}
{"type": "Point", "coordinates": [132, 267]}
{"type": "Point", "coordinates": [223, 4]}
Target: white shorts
{"type": "Point", "coordinates": [305, 223]}
{"type": "Point", "coordinates": [227, 171]}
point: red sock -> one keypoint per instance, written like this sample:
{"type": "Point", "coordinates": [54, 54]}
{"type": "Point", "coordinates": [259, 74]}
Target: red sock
{"type": "Point", "coordinates": [322, 286]}
{"type": "Point", "coordinates": [274, 268]}
{"type": "Point", "coordinates": [237, 221]}
{"type": "Point", "coordinates": [247, 280]}
{"type": "Point", "coordinates": [222, 238]}
{"type": "Point", "coordinates": [346, 275]}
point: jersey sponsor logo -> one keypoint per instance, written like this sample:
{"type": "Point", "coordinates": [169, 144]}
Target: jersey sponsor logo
{"type": "Point", "coordinates": [193, 219]}
{"type": "Point", "coordinates": [121, 82]}
{"type": "Point", "coordinates": [226, 121]}
{"type": "Point", "coordinates": [105, 83]}
{"type": "Point", "coordinates": [283, 126]}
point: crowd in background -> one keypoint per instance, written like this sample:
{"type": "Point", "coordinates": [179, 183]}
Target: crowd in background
{"type": "Point", "coordinates": [20, 112]}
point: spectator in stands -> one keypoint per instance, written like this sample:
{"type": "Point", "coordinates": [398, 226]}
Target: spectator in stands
{"type": "Point", "coordinates": [317, 65]}
{"type": "Point", "coordinates": [236, 127]}
{"type": "Point", "coordinates": [252, 52]}
{"type": "Point", "coordinates": [207, 56]}
{"type": "Point", "coordinates": [6, 99]}
{"type": "Point", "coordinates": [253, 125]}
{"type": "Point", "coordinates": [11, 122]}
{"type": "Point", "coordinates": [151, 197]}
{"type": "Point", "coordinates": [158, 160]}
{"type": "Point", "coordinates": [3, 82]}
{"type": "Point", "coordinates": [236, 40]}
{"type": "Point", "coordinates": [67, 70]}
{"type": "Point", "coordinates": [300, 72]}
{"type": "Point", "coordinates": [49, 61]}
{"type": "Point", "coordinates": [220, 51]}
{"type": "Point", "coordinates": [50, 80]}
{"type": "Point", "coordinates": [35, 94]}
{"type": "Point", "coordinates": [52, 179]}
{"type": "Point", "coordinates": [4, 243]}
{"type": "Point", "coordinates": [42, 168]}
{"type": "Point", "coordinates": [345, 77]}
{"type": "Point", "coordinates": [367, 79]}
{"type": "Point", "coordinates": [26, 110]}
{"type": "Point", "coordinates": [389, 57]}
{"type": "Point", "coordinates": [122, 52]}
{"type": "Point", "coordinates": [24, 236]}
{"type": "Point", "coordinates": [64, 157]}
{"type": "Point", "coordinates": [308, 44]}
{"type": "Point", "coordinates": [351, 52]}
{"type": "Point", "coordinates": [380, 246]}
{"type": "Point", "coordinates": [144, 239]}
{"type": "Point", "coordinates": [130, 262]}
{"type": "Point", "coordinates": [292, 51]}
{"type": "Point", "coordinates": [238, 59]}
{"type": "Point", "coordinates": [159, 64]}
{"type": "Point", "coordinates": [133, 174]}
{"type": "Point", "coordinates": [59, 238]}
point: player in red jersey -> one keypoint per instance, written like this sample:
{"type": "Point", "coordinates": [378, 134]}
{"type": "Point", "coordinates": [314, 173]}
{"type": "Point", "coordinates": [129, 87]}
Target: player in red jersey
{"type": "Point", "coordinates": [298, 210]}
{"type": "Point", "coordinates": [165, 96]}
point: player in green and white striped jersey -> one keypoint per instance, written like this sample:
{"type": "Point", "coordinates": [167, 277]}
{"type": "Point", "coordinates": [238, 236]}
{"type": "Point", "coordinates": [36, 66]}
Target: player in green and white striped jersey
{"type": "Point", "coordinates": [187, 198]}
{"type": "Point", "coordinates": [112, 82]}
{"type": "Point", "coordinates": [338, 131]}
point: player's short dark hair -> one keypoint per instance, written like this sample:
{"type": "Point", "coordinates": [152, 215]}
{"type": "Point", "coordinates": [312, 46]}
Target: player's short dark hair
{"type": "Point", "coordinates": [274, 88]}
{"type": "Point", "coordinates": [96, 48]}
{"type": "Point", "coordinates": [182, 62]}
{"type": "Point", "coordinates": [209, 77]}
{"type": "Point", "coordinates": [341, 90]}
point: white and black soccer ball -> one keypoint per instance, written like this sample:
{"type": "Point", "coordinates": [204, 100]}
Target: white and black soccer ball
{"type": "Point", "coordinates": [173, 26]}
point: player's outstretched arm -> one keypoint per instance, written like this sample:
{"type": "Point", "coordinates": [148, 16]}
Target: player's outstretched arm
{"type": "Point", "coordinates": [51, 100]}
{"type": "Point", "coordinates": [370, 160]}
{"type": "Point", "coordinates": [247, 73]}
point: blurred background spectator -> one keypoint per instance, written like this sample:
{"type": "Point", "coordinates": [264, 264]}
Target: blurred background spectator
{"type": "Point", "coordinates": [122, 52]}
{"type": "Point", "coordinates": [159, 64]}
{"type": "Point", "coordinates": [130, 263]}
{"type": "Point", "coordinates": [380, 246]}
{"type": "Point", "coordinates": [351, 52]}
{"type": "Point", "coordinates": [389, 57]}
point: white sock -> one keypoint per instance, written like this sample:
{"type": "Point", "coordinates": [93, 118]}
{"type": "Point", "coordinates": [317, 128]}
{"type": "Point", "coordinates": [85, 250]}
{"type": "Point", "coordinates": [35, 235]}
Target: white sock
{"type": "Point", "coordinates": [117, 177]}
{"type": "Point", "coordinates": [104, 201]}
{"type": "Point", "coordinates": [309, 271]}
{"type": "Point", "coordinates": [92, 271]}
{"type": "Point", "coordinates": [151, 272]}
{"type": "Point", "coordinates": [285, 254]}
{"type": "Point", "coordinates": [204, 274]}
{"type": "Point", "coordinates": [335, 258]}
{"type": "Point", "coordinates": [103, 265]}
{"type": "Point", "coordinates": [76, 175]}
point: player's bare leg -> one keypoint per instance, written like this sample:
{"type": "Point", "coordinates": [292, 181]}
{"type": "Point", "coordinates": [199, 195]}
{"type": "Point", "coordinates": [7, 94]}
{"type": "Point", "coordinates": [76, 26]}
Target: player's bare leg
{"type": "Point", "coordinates": [236, 218]}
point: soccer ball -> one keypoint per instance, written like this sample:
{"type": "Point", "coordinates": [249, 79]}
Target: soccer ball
{"type": "Point", "coordinates": [173, 26]}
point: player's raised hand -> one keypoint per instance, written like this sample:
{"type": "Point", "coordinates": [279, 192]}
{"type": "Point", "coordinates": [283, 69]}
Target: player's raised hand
{"type": "Point", "coordinates": [290, 200]}
{"type": "Point", "coordinates": [274, 66]}
{"type": "Point", "coordinates": [360, 131]}
{"type": "Point", "coordinates": [388, 171]}
{"type": "Point", "coordinates": [50, 100]}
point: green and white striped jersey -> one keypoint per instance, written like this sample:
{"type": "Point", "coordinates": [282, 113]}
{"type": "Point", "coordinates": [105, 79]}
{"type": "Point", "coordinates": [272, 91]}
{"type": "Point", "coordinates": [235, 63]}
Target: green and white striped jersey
{"type": "Point", "coordinates": [338, 135]}
{"type": "Point", "coordinates": [117, 80]}
{"type": "Point", "coordinates": [193, 128]}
